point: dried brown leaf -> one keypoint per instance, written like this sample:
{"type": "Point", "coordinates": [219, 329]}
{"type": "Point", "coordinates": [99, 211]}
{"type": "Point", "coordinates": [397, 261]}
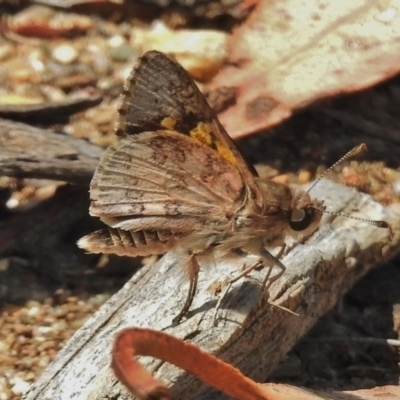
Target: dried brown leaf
{"type": "Point", "coordinates": [290, 54]}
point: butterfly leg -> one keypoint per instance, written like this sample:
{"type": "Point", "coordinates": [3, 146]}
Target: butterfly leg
{"type": "Point", "coordinates": [230, 282]}
{"type": "Point", "coordinates": [266, 261]}
{"type": "Point", "coordinates": [269, 261]}
{"type": "Point", "coordinates": [193, 268]}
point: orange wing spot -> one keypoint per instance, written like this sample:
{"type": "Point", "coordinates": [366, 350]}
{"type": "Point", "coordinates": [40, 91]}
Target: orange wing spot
{"type": "Point", "coordinates": [202, 133]}
{"type": "Point", "coordinates": [168, 123]}
{"type": "Point", "coordinates": [226, 153]}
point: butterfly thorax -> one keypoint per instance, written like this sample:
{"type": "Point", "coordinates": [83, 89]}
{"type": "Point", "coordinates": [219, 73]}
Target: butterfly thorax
{"type": "Point", "coordinates": [285, 212]}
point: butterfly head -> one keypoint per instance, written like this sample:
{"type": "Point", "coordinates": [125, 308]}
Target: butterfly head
{"type": "Point", "coordinates": [304, 214]}
{"type": "Point", "coordinates": [287, 211]}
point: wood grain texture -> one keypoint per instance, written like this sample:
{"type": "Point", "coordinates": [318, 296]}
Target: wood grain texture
{"type": "Point", "coordinates": [51, 111]}
{"type": "Point", "coordinates": [29, 152]}
{"type": "Point", "coordinates": [253, 339]}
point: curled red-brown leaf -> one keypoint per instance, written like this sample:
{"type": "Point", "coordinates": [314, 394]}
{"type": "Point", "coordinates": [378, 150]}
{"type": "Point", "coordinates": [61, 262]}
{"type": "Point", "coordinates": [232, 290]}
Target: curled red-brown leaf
{"type": "Point", "coordinates": [132, 342]}
{"type": "Point", "coordinates": [135, 341]}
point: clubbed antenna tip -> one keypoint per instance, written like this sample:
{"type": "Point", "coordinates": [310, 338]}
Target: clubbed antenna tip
{"type": "Point", "coordinates": [356, 150]}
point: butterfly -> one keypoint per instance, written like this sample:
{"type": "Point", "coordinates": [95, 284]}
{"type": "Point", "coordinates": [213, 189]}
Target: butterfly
{"type": "Point", "coordinates": [175, 180]}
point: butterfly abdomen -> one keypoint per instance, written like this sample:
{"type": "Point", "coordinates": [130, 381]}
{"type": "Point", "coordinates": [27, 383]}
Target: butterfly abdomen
{"type": "Point", "coordinates": [129, 243]}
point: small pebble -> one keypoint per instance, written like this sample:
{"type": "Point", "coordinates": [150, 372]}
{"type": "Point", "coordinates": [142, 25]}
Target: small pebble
{"type": "Point", "coordinates": [33, 311]}
{"type": "Point", "coordinates": [116, 41]}
{"type": "Point", "coordinates": [64, 54]}
{"type": "Point", "coordinates": [123, 52]}
{"type": "Point", "coordinates": [20, 386]}
{"type": "Point", "coordinates": [284, 179]}
{"type": "Point", "coordinates": [396, 187]}
{"type": "Point", "coordinates": [21, 71]}
{"type": "Point", "coordinates": [304, 177]}
{"type": "Point", "coordinates": [200, 52]}
{"type": "Point", "coordinates": [3, 346]}
{"type": "Point", "coordinates": [5, 51]}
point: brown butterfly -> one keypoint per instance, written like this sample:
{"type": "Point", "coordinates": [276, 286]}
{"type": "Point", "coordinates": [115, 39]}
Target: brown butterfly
{"type": "Point", "coordinates": [175, 180]}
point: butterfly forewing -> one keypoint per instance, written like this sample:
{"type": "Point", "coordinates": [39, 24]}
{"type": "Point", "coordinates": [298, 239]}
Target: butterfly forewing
{"type": "Point", "coordinates": [163, 178]}
{"type": "Point", "coordinates": [159, 94]}
{"type": "Point", "coordinates": [159, 88]}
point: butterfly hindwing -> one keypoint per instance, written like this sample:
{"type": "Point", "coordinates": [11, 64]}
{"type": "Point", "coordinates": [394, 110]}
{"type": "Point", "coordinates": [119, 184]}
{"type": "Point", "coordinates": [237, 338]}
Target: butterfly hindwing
{"type": "Point", "coordinates": [163, 178]}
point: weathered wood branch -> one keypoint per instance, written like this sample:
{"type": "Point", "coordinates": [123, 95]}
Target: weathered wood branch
{"type": "Point", "coordinates": [252, 338]}
{"type": "Point", "coordinates": [51, 111]}
{"type": "Point", "coordinates": [29, 152]}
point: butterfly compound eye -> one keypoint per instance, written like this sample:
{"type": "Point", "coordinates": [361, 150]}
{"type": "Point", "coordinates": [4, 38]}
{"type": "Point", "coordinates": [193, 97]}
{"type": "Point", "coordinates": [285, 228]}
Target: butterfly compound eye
{"type": "Point", "coordinates": [301, 219]}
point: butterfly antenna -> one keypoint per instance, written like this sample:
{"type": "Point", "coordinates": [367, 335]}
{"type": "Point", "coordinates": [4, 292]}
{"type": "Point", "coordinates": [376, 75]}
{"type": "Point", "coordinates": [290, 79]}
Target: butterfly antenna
{"type": "Point", "coordinates": [378, 224]}
{"type": "Point", "coordinates": [356, 150]}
